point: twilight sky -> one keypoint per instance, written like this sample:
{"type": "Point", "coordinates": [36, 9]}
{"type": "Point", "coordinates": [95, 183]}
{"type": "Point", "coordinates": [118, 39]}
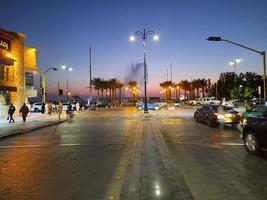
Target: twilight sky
{"type": "Point", "coordinates": [62, 31]}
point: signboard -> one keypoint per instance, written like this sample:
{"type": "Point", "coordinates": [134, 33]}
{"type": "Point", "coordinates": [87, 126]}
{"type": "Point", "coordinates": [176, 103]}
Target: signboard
{"type": "Point", "coordinates": [29, 79]}
{"type": "Point", "coordinates": [259, 90]}
{"type": "Point", "coordinates": [5, 44]}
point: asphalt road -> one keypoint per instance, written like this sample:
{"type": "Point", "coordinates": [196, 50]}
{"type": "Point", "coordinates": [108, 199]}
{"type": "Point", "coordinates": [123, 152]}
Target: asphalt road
{"type": "Point", "coordinates": [123, 154]}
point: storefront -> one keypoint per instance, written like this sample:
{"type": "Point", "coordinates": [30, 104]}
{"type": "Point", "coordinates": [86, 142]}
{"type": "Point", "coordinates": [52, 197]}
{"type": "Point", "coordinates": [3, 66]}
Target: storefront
{"type": "Point", "coordinates": [17, 66]}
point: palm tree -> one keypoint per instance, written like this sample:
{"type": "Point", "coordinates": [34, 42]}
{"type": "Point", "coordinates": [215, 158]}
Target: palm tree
{"type": "Point", "coordinates": [177, 90]}
{"type": "Point", "coordinates": [97, 85]}
{"type": "Point", "coordinates": [133, 86]}
{"type": "Point", "coordinates": [167, 88]}
{"type": "Point", "coordinates": [119, 86]}
{"type": "Point", "coordinates": [112, 85]}
{"type": "Point", "coordinates": [197, 85]}
{"type": "Point", "coordinates": [185, 84]}
{"type": "Point", "coordinates": [203, 85]}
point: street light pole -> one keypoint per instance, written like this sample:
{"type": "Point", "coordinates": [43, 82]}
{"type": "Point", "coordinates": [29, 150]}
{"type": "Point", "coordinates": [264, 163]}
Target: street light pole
{"type": "Point", "coordinates": [43, 81]}
{"type": "Point", "coordinates": [144, 35]}
{"type": "Point", "coordinates": [234, 63]}
{"type": "Point", "coordinates": [68, 69]}
{"type": "Point", "coordinates": [263, 53]}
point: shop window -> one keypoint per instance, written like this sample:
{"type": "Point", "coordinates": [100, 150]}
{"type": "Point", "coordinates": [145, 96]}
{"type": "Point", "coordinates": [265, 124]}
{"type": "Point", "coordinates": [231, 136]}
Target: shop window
{"type": "Point", "coordinates": [2, 73]}
{"type": "Point", "coordinates": [7, 74]}
{"type": "Point", "coordinates": [29, 79]}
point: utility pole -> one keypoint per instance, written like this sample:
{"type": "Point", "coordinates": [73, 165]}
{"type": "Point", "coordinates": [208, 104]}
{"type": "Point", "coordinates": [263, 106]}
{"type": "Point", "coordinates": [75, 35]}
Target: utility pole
{"type": "Point", "coordinates": [171, 72]}
{"type": "Point", "coordinates": [59, 104]}
{"type": "Point", "coordinates": [90, 75]}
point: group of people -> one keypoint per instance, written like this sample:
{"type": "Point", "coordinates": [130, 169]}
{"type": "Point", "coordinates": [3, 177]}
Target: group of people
{"type": "Point", "coordinates": [24, 111]}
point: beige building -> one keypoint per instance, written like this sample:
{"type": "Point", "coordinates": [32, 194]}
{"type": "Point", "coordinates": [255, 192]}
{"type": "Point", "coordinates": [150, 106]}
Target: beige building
{"type": "Point", "coordinates": [17, 67]}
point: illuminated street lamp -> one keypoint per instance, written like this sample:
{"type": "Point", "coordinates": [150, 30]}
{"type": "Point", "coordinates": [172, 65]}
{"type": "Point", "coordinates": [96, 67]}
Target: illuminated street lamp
{"type": "Point", "coordinates": [263, 53]}
{"type": "Point", "coordinates": [68, 69]}
{"type": "Point", "coordinates": [144, 35]}
{"type": "Point", "coordinates": [234, 63]}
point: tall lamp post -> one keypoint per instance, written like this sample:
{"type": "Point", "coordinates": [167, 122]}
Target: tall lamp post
{"type": "Point", "coordinates": [43, 83]}
{"type": "Point", "coordinates": [234, 63]}
{"type": "Point", "coordinates": [144, 35]}
{"type": "Point", "coordinates": [68, 69]}
{"type": "Point", "coordinates": [263, 53]}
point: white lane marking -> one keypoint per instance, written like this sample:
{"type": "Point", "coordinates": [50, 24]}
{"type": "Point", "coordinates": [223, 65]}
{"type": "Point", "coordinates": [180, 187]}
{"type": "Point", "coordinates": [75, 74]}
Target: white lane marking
{"type": "Point", "coordinates": [217, 143]}
{"type": "Point", "coordinates": [61, 145]}
{"type": "Point", "coordinates": [232, 144]}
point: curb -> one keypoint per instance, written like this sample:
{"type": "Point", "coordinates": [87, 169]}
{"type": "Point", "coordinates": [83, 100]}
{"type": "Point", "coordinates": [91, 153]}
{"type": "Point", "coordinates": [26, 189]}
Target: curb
{"type": "Point", "coordinates": [30, 129]}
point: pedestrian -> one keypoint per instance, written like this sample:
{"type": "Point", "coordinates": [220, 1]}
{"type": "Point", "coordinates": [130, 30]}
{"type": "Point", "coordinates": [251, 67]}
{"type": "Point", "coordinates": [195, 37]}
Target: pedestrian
{"type": "Point", "coordinates": [220, 115]}
{"type": "Point", "coordinates": [11, 111]}
{"type": "Point", "coordinates": [43, 108]}
{"type": "Point", "coordinates": [49, 108]}
{"type": "Point", "coordinates": [69, 111]}
{"type": "Point", "coordinates": [24, 110]}
{"type": "Point", "coordinates": [78, 106]}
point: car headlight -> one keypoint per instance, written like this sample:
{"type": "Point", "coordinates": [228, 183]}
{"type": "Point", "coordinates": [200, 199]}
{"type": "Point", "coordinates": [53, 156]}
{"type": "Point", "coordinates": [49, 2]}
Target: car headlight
{"type": "Point", "coordinates": [220, 116]}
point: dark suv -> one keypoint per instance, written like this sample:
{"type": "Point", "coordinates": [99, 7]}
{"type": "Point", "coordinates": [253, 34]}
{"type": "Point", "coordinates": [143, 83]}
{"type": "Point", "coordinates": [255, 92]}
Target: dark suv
{"type": "Point", "coordinates": [255, 134]}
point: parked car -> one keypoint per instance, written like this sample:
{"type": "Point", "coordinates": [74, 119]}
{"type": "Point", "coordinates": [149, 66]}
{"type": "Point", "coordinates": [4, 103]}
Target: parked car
{"type": "Point", "coordinates": [194, 102]}
{"type": "Point", "coordinates": [150, 106]}
{"type": "Point", "coordinates": [255, 134]}
{"type": "Point", "coordinates": [207, 101]}
{"type": "Point", "coordinates": [256, 101]}
{"type": "Point", "coordinates": [235, 103]}
{"type": "Point", "coordinates": [256, 111]}
{"type": "Point", "coordinates": [177, 103]}
{"type": "Point", "coordinates": [209, 115]}
{"type": "Point", "coordinates": [103, 104]}
{"type": "Point", "coordinates": [36, 107]}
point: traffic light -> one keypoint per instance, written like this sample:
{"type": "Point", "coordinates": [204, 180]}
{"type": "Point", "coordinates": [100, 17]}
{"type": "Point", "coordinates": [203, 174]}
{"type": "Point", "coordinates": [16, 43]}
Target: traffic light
{"type": "Point", "coordinates": [41, 91]}
{"type": "Point", "coordinates": [214, 39]}
{"type": "Point", "coordinates": [60, 92]}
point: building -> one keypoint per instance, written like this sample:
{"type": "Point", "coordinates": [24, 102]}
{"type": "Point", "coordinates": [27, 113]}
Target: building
{"type": "Point", "coordinates": [18, 64]}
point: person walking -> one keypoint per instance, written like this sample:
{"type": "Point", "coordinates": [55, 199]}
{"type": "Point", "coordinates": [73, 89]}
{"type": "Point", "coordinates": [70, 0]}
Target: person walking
{"type": "Point", "coordinates": [11, 111]}
{"type": "Point", "coordinates": [221, 113]}
{"type": "Point", "coordinates": [49, 108]}
{"type": "Point", "coordinates": [43, 108]}
{"type": "Point", "coordinates": [24, 110]}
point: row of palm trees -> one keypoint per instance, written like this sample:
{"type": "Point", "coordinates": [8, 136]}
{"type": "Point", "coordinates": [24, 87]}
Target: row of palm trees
{"type": "Point", "coordinates": [191, 88]}
{"type": "Point", "coordinates": [110, 87]}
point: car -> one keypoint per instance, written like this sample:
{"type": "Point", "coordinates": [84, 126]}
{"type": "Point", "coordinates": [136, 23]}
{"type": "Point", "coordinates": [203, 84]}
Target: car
{"type": "Point", "coordinates": [255, 111]}
{"type": "Point", "coordinates": [177, 103]}
{"type": "Point", "coordinates": [254, 134]}
{"type": "Point", "coordinates": [103, 104]}
{"type": "Point", "coordinates": [257, 101]}
{"type": "Point", "coordinates": [150, 106]}
{"type": "Point", "coordinates": [193, 102]}
{"type": "Point", "coordinates": [235, 103]}
{"type": "Point", "coordinates": [207, 101]}
{"type": "Point", "coordinates": [36, 107]}
{"type": "Point", "coordinates": [209, 115]}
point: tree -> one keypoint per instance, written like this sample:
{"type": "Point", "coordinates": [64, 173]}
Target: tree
{"type": "Point", "coordinates": [133, 87]}
{"type": "Point", "coordinates": [167, 86]}
{"type": "Point", "coordinates": [186, 86]}
{"type": "Point", "coordinates": [119, 86]}
{"type": "Point", "coordinates": [96, 82]}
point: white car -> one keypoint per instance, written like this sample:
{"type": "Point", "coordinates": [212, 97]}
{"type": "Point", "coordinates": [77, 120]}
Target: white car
{"type": "Point", "coordinates": [193, 102]}
{"type": "Point", "coordinates": [207, 101]}
{"type": "Point", "coordinates": [36, 107]}
{"type": "Point", "coordinates": [234, 103]}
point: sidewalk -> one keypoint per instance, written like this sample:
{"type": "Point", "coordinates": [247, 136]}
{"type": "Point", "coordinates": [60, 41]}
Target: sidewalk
{"type": "Point", "coordinates": [34, 121]}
